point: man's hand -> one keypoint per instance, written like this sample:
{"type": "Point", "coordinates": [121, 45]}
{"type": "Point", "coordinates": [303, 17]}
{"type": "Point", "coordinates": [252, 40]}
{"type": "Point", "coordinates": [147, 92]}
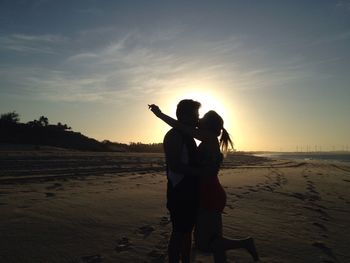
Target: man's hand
{"type": "Point", "coordinates": [155, 109]}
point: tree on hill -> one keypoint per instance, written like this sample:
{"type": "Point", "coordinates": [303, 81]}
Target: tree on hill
{"type": "Point", "coordinates": [40, 132]}
{"type": "Point", "coordinates": [44, 121]}
{"type": "Point", "coordinates": [9, 118]}
{"type": "Point", "coordinates": [63, 127]}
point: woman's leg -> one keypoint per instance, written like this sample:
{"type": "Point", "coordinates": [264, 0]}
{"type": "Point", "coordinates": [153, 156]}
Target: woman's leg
{"type": "Point", "coordinates": [204, 230]}
{"type": "Point", "coordinates": [220, 244]}
{"type": "Point", "coordinates": [209, 232]}
{"type": "Point", "coordinates": [219, 253]}
{"type": "Point", "coordinates": [209, 237]}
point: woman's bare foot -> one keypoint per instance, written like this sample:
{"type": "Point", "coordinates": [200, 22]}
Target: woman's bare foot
{"type": "Point", "coordinates": [250, 246]}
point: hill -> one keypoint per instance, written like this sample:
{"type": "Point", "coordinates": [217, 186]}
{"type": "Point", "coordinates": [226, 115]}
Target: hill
{"type": "Point", "coordinates": [41, 133]}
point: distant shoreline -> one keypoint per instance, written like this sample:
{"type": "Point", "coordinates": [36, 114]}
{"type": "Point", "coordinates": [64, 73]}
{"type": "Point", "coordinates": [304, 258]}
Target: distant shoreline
{"type": "Point", "coordinates": [310, 156]}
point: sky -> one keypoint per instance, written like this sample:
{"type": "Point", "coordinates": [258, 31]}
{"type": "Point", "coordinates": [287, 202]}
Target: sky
{"type": "Point", "coordinates": [276, 71]}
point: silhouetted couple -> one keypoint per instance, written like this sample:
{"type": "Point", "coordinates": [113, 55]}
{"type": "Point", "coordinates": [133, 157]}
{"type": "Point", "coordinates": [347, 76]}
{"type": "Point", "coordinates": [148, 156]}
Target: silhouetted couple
{"type": "Point", "coordinates": [195, 197]}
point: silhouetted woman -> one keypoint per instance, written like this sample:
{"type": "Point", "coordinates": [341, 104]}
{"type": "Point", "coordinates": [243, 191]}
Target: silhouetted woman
{"type": "Point", "coordinates": [208, 233]}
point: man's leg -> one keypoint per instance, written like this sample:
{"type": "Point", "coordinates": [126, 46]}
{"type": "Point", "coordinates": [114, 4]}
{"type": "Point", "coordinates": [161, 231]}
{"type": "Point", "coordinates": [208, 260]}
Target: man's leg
{"type": "Point", "coordinates": [175, 246]}
{"type": "Point", "coordinates": [186, 248]}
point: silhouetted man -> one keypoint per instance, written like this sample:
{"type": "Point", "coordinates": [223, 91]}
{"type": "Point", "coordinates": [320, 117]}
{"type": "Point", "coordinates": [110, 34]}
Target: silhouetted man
{"type": "Point", "coordinates": [182, 192]}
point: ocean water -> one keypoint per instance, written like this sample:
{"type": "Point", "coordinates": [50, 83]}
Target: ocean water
{"type": "Point", "coordinates": [330, 157]}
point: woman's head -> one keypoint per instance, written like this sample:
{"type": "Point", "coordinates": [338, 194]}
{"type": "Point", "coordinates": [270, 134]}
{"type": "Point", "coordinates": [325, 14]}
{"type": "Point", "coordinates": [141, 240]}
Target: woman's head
{"type": "Point", "coordinates": [213, 122]}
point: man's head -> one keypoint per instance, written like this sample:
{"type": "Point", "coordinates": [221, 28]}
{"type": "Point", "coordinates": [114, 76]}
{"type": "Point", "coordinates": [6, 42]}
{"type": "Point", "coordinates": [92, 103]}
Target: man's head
{"type": "Point", "coordinates": [187, 112]}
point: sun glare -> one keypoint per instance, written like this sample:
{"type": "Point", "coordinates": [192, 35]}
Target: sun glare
{"type": "Point", "coordinates": [208, 99]}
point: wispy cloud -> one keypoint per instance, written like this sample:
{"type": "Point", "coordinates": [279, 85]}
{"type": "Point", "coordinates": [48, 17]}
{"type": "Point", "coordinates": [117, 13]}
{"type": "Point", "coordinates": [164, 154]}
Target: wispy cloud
{"type": "Point", "coordinates": [82, 56]}
{"type": "Point", "coordinates": [31, 43]}
{"type": "Point", "coordinates": [39, 38]}
{"type": "Point", "coordinates": [137, 65]}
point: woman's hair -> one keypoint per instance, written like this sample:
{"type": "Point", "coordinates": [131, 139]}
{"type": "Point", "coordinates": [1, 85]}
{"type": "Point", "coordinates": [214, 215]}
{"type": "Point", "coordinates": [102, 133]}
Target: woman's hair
{"type": "Point", "coordinates": [225, 140]}
{"type": "Point", "coordinates": [215, 123]}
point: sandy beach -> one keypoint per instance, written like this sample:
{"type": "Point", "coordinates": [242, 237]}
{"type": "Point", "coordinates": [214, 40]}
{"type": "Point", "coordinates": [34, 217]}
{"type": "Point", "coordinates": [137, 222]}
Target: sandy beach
{"type": "Point", "coordinates": [64, 206]}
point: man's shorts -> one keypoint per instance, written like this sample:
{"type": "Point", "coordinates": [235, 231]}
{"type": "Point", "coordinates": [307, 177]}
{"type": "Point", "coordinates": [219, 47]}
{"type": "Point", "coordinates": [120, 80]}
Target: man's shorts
{"type": "Point", "coordinates": [183, 218]}
{"type": "Point", "coordinates": [183, 203]}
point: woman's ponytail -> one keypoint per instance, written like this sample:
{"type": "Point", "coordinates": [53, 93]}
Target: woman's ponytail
{"type": "Point", "coordinates": [225, 140]}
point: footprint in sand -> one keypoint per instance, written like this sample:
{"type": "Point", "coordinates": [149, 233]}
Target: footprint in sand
{"type": "Point", "coordinates": [324, 249]}
{"type": "Point", "coordinates": [318, 210]}
{"type": "Point", "coordinates": [236, 195]}
{"type": "Point", "coordinates": [54, 186]}
{"type": "Point", "coordinates": [92, 259]}
{"type": "Point", "coordinates": [145, 230]}
{"type": "Point", "coordinates": [298, 195]}
{"type": "Point", "coordinates": [157, 256]}
{"type": "Point", "coordinates": [124, 244]}
{"type": "Point", "coordinates": [164, 234]}
{"type": "Point", "coordinates": [50, 194]}
{"type": "Point", "coordinates": [164, 221]}
{"type": "Point", "coordinates": [277, 184]}
{"type": "Point", "coordinates": [314, 197]}
{"type": "Point", "coordinates": [162, 246]}
{"type": "Point", "coordinates": [324, 218]}
{"type": "Point", "coordinates": [319, 225]}
{"type": "Point", "coordinates": [311, 189]}
{"type": "Point", "coordinates": [268, 188]}
{"type": "Point", "coordinates": [229, 206]}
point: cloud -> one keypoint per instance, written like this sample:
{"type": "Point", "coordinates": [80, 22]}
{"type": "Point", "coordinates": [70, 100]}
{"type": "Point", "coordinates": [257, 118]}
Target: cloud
{"type": "Point", "coordinates": [39, 38]}
{"type": "Point", "coordinates": [139, 65]}
{"type": "Point", "coordinates": [81, 56]}
{"type": "Point", "coordinates": [126, 68]}
{"type": "Point", "coordinates": [31, 43]}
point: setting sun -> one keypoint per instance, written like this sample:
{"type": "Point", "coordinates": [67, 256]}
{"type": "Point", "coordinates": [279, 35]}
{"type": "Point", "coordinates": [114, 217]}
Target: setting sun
{"type": "Point", "coordinates": [209, 101]}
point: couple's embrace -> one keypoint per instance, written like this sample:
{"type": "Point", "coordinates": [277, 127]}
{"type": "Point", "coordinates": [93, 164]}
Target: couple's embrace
{"type": "Point", "coordinates": [195, 197]}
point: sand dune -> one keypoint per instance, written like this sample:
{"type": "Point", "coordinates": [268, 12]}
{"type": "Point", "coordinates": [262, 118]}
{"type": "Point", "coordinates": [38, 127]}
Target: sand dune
{"type": "Point", "coordinates": [98, 207]}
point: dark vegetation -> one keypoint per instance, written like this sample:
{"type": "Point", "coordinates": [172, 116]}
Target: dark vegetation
{"type": "Point", "coordinates": [41, 132]}
{"type": "Point", "coordinates": [134, 147]}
